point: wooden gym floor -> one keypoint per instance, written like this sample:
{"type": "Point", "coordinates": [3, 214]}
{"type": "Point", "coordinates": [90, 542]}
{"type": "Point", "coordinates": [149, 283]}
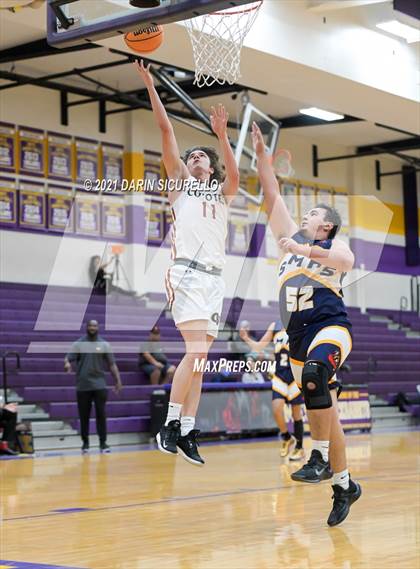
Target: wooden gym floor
{"type": "Point", "coordinates": [146, 510]}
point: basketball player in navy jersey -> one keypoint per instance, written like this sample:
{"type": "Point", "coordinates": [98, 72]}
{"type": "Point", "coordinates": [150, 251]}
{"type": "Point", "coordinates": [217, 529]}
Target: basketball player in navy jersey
{"type": "Point", "coordinates": [194, 284]}
{"type": "Point", "coordinates": [313, 264]}
{"type": "Point", "coordinates": [284, 388]}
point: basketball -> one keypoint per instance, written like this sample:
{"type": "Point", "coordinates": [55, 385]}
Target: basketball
{"type": "Point", "coordinates": [145, 40]}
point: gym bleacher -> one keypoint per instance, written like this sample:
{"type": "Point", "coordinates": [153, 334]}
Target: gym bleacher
{"type": "Point", "coordinates": [383, 359]}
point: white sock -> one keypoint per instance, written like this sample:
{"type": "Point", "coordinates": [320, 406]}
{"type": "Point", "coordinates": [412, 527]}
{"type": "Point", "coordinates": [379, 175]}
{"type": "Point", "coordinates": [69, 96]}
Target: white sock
{"type": "Point", "coordinates": [323, 447]}
{"type": "Point", "coordinates": [342, 479]}
{"type": "Point", "coordinates": [187, 425]}
{"type": "Point", "coordinates": [174, 412]}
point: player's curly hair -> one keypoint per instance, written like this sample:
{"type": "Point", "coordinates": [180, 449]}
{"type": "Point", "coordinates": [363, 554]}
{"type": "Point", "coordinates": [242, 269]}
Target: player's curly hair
{"type": "Point", "coordinates": [332, 216]}
{"type": "Point", "coordinates": [214, 161]}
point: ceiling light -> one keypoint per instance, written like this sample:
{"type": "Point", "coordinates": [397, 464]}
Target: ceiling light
{"type": "Point", "coordinates": [396, 28]}
{"type": "Point", "coordinates": [321, 114]}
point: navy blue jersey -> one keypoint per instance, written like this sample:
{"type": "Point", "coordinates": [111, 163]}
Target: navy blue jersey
{"type": "Point", "coordinates": [281, 348]}
{"type": "Point", "coordinates": [309, 292]}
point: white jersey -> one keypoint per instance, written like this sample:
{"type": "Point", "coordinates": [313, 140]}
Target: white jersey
{"type": "Point", "coordinates": [199, 231]}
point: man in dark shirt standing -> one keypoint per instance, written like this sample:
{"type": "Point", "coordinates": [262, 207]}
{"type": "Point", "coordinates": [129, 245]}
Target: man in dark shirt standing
{"type": "Point", "coordinates": [90, 353]}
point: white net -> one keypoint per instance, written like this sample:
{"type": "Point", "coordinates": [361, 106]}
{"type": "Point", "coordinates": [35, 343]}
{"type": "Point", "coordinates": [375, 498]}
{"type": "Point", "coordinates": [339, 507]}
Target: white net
{"type": "Point", "coordinates": [217, 41]}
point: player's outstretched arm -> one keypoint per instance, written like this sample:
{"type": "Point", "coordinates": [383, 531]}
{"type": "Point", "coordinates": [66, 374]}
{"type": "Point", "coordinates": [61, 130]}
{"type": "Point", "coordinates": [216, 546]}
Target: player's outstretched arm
{"type": "Point", "coordinates": [175, 167]}
{"type": "Point", "coordinates": [258, 346]}
{"type": "Point", "coordinates": [281, 223]}
{"type": "Point", "coordinates": [339, 256]}
{"type": "Point", "coordinates": [218, 119]}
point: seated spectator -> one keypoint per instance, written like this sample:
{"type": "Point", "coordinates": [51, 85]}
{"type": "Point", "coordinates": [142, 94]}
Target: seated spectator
{"type": "Point", "coordinates": [252, 376]}
{"type": "Point", "coordinates": [153, 361]}
{"type": "Point", "coordinates": [8, 418]}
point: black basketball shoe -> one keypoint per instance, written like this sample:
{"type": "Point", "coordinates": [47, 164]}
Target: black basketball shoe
{"type": "Point", "coordinates": [167, 437]}
{"type": "Point", "coordinates": [188, 448]}
{"type": "Point", "coordinates": [343, 499]}
{"type": "Point", "coordinates": [314, 470]}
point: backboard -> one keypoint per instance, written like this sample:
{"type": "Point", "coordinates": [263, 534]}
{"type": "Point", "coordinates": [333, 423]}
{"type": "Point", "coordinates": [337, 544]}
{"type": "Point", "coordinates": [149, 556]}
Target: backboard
{"type": "Point", "coordinates": [72, 22]}
{"type": "Point", "coordinates": [244, 153]}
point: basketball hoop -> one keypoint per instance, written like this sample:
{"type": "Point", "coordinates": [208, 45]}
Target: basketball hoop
{"type": "Point", "coordinates": [282, 163]}
{"type": "Point", "coordinates": [217, 40]}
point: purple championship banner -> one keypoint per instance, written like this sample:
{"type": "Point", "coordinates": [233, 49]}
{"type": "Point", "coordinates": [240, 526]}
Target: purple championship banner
{"type": "Point", "coordinates": [88, 213]}
{"type": "Point", "coordinates": [60, 209]}
{"type": "Point", "coordinates": [307, 198]}
{"type": "Point", "coordinates": [289, 193]}
{"type": "Point", "coordinates": [249, 409]}
{"type": "Point", "coordinates": [32, 205]}
{"type": "Point", "coordinates": [112, 163]}
{"type": "Point", "coordinates": [341, 204]}
{"type": "Point", "coordinates": [152, 171]}
{"type": "Point", "coordinates": [8, 147]}
{"type": "Point", "coordinates": [86, 159]}
{"type": "Point", "coordinates": [238, 238]}
{"type": "Point", "coordinates": [113, 217]}
{"type": "Point", "coordinates": [59, 156]}
{"type": "Point", "coordinates": [325, 195]}
{"type": "Point", "coordinates": [240, 201]}
{"type": "Point", "coordinates": [31, 151]}
{"type": "Point", "coordinates": [155, 222]}
{"type": "Point", "coordinates": [8, 202]}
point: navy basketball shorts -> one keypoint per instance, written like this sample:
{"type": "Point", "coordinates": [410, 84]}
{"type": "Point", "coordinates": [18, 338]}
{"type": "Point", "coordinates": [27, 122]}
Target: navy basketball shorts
{"type": "Point", "coordinates": [330, 344]}
{"type": "Point", "coordinates": [284, 387]}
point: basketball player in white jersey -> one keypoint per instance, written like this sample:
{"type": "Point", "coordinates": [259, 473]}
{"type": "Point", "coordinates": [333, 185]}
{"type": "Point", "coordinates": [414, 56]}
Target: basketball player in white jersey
{"type": "Point", "coordinates": [313, 264]}
{"type": "Point", "coordinates": [194, 284]}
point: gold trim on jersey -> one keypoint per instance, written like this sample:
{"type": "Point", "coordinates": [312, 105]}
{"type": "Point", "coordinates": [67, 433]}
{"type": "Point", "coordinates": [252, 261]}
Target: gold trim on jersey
{"type": "Point", "coordinates": [278, 384]}
{"type": "Point", "coordinates": [333, 341]}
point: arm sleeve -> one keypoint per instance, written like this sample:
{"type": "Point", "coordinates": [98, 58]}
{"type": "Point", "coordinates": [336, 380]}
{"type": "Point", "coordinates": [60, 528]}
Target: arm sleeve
{"type": "Point", "coordinates": [74, 352]}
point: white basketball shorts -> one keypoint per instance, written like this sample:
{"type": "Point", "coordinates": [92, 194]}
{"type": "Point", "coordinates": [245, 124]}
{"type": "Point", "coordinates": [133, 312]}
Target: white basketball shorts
{"type": "Point", "coordinates": [195, 295]}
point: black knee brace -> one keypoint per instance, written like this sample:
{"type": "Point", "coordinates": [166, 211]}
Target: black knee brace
{"type": "Point", "coordinates": [319, 397]}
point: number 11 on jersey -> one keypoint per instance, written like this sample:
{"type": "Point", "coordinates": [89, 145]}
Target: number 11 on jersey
{"type": "Point", "coordinates": [213, 210]}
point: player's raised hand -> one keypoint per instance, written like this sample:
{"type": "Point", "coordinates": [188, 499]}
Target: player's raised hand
{"type": "Point", "coordinates": [144, 73]}
{"type": "Point", "coordinates": [291, 246]}
{"type": "Point", "coordinates": [219, 118]}
{"type": "Point", "coordinates": [257, 140]}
